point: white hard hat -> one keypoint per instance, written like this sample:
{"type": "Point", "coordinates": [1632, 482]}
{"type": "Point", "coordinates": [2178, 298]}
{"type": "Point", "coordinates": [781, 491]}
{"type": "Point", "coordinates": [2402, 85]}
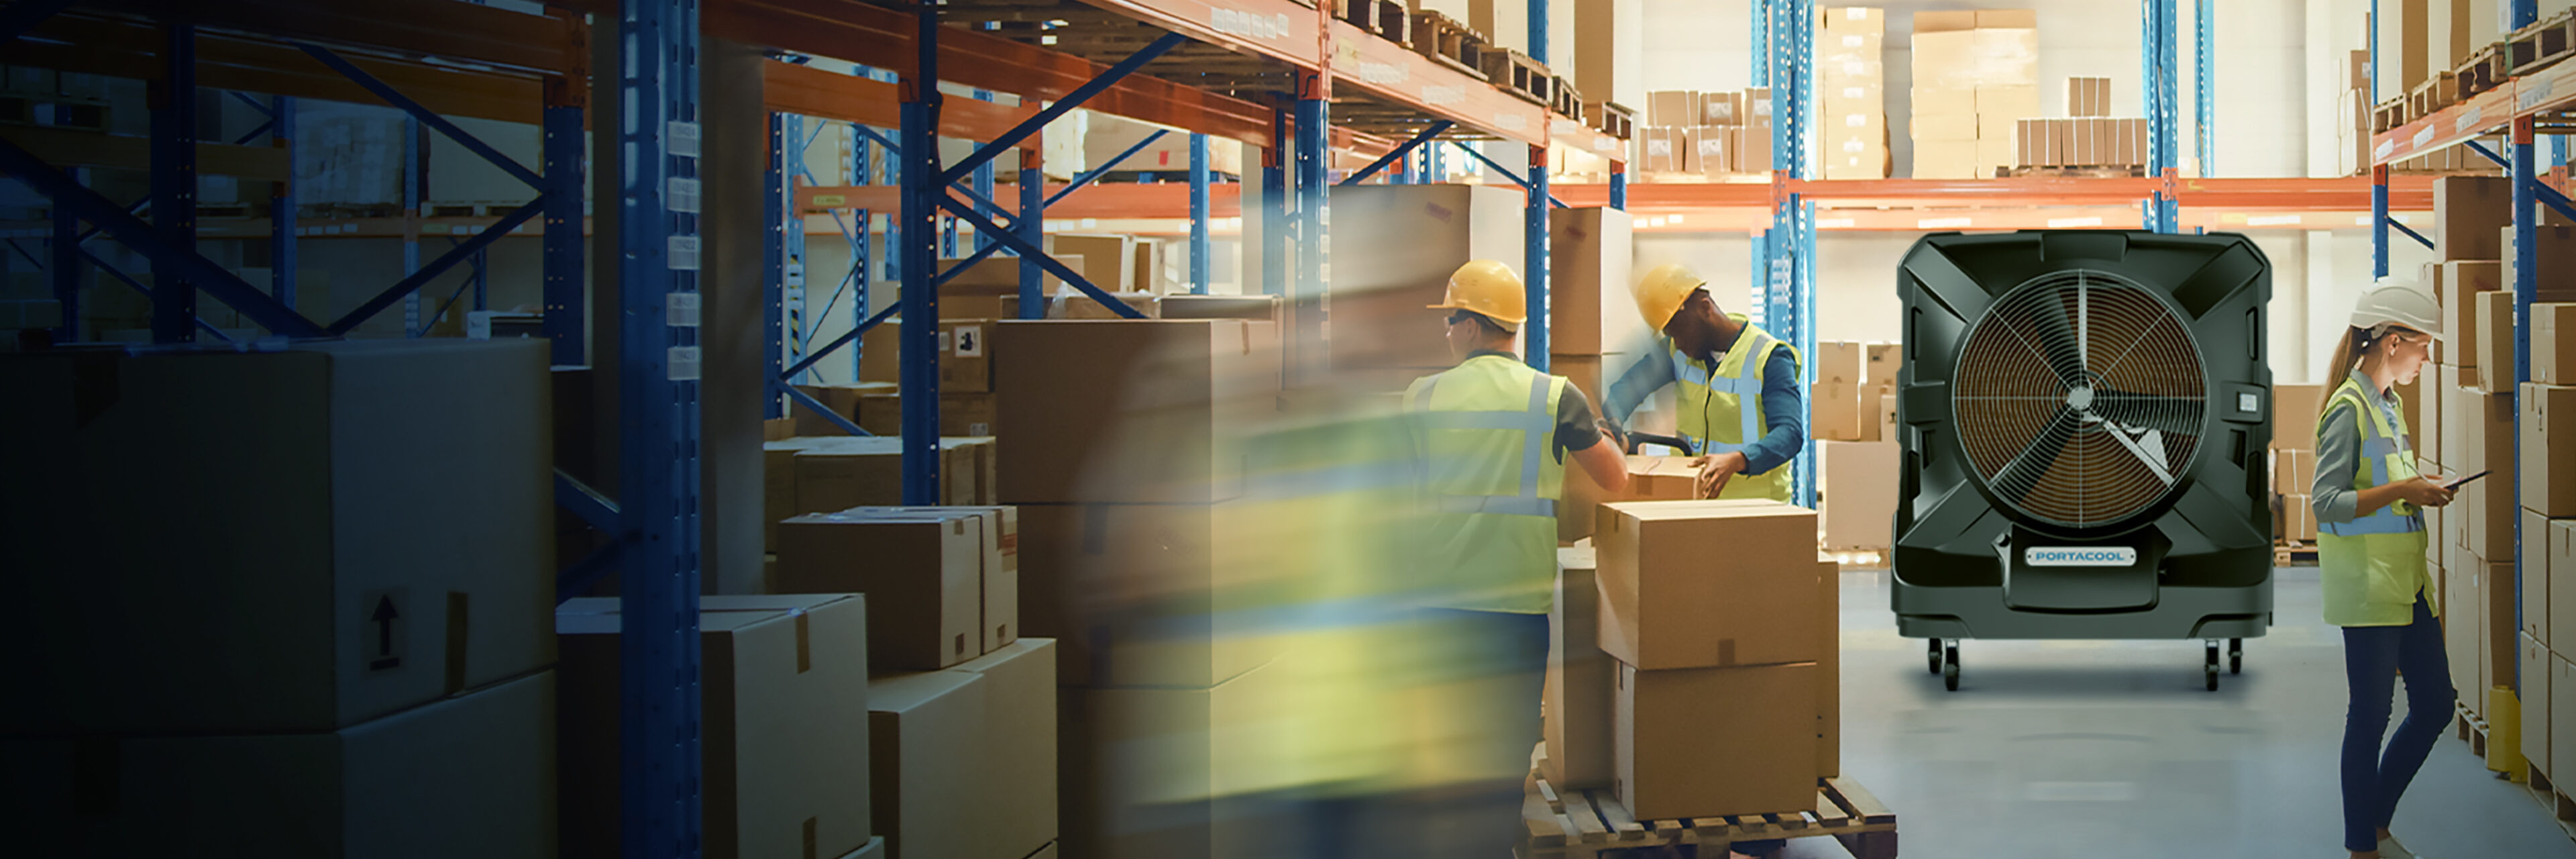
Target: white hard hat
{"type": "Point", "coordinates": [2399, 301]}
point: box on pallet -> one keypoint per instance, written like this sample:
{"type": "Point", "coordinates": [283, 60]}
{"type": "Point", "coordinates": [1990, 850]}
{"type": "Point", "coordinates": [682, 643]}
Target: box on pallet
{"type": "Point", "coordinates": [2461, 634]}
{"type": "Point", "coordinates": [473, 775]}
{"type": "Point", "coordinates": [965, 365]}
{"type": "Point", "coordinates": [784, 682]}
{"type": "Point", "coordinates": [1859, 501]}
{"type": "Point", "coordinates": [2548, 457]}
{"type": "Point", "coordinates": [927, 734]}
{"type": "Point", "coordinates": [998, 578]}
{"type": "Point", "coordinates": [923, 571]}
{"type": "Point", "coordinates": [1581, 680]}
{"type": "Point", "coordinates": [2561, 540]}
{"type": "Point", "coordinates": [2533, 564]}
{"type": "Point", "coordinates": [1020, 748]}
{"type": "Point", "coordinates": [1662, 606]}
{"type": "Point", "coordinates": [1686, 747]}
{"type": "Point", "coordinates": [2533, 659]}
{"type": "Point", "coordinates": [817, 475]}
{"type": "Point", "coordinates": [373, 517]}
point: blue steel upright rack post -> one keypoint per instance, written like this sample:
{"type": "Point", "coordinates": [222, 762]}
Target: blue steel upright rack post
{"type": "Point", "coordinates": [174, 181]}
{"type": "Point", "coordinates": [2526, 286]}
{"type": "Point", "coordinates": [918, 349]}
{"type": "Point", "coordinates": [2157, 56]}
{"type": "Point", "coordinates": [2204, 101]}
{"type": "Point", "coordinates": [1199, 243]}
{"type": "Point", "coordinates": [659, 721]}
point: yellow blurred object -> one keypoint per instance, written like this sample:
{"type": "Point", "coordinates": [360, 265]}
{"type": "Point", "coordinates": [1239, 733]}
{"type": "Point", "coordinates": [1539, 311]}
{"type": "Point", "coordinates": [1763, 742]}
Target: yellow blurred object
{"type": "Point", "coordinates": [1489, 288]}
{"type": "Point", "coordinates": [1661, 292]}
{"type": "Point", "coordinates": [2504, 733]}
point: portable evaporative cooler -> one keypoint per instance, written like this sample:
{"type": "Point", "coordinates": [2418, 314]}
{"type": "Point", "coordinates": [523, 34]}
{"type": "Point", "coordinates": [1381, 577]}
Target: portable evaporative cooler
{"type": "Point", "coordinates": [2084, 418]}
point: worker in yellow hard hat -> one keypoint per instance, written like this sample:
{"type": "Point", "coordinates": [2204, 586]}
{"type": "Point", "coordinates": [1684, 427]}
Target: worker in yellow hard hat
{"type": "Point", "coordinates": [1741, 406]}
{"type": "Point", "coordinates": [1491, 437]}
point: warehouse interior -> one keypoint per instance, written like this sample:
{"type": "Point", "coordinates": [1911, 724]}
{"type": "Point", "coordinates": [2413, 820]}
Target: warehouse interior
{"type": "Point", "coordinates": [1563, 429]}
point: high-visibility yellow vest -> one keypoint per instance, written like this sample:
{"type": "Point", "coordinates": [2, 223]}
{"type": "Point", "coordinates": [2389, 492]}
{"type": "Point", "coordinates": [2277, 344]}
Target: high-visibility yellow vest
{"type": "Point", "coordinates": [2373, 566]}
{"type": "Point", "coordinates": [1483, 429]}
{"type": "Point", "coordinates": [1721, 411]}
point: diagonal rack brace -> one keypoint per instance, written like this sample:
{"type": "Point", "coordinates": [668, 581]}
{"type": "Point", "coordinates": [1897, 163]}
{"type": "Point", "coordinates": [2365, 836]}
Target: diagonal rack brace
{"type": "Point", "coordinates": [439, 266]}
{"type": "Point", "coordinates": [395, 97]}
{"type": "Point", "coordinates": [1033, 254]}
{"type": "Point", "coordinates": [1499, 170]}
{"type": "Point", "coordinates": [1428, 132]}
{"type": "Point", "coordinates": [134, 233]}
{"type": "Point", "coordinates": [986, 153]}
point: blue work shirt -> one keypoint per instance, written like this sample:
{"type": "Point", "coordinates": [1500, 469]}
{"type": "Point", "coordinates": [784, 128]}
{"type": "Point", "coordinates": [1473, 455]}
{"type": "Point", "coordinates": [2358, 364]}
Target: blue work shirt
{"type": "Point", "coordinates": [1784, 411]}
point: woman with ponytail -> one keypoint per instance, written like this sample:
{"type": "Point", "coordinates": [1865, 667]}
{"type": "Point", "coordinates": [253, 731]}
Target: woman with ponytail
{"type": "Point", "coordinates": [2370, 557]}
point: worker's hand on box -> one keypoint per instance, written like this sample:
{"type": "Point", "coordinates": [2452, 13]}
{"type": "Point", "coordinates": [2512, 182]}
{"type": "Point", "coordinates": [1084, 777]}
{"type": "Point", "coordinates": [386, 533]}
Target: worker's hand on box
{"type": "Point", "coordinates": [1618, 437]}
{"type": "Point", "coordinates": [1716, 470]}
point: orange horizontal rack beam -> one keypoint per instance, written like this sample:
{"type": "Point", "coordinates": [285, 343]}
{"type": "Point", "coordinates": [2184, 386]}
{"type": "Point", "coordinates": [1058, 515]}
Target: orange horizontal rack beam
{"type": "Point", "coordinates": [808, 91]}
{"type": "Point", "coordinates": [2548, 91]}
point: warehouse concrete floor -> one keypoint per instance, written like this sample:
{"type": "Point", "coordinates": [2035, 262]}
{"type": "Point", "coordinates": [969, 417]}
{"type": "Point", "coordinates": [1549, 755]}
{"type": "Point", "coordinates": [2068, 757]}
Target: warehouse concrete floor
{"type": "Point", "coordinates": [2113, 749]}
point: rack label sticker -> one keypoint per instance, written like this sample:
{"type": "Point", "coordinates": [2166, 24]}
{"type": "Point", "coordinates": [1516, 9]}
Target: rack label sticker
{"type": "Point", "coordinates": [683, 309]}
{"type": "Point", "coordinates": [1564, 127]}
{"type": "Point", "coordinates": [382, 636]}
{"type": "Point", "coordinates": [1605, 143]}
{"type": "Point", "coordinates": [1383, 73]}
{"type": "Point", "coordinates": [680, 363]}
{"type": "Point", "coordinates": [970, 341]}
{"type": "Point", "coordinates": [2385, 147]}
{"type": "Point", "coordinates": [682, 195]}
{"type": "Point", "coordinates": [2468, 120]}
{"type": "Point", "coordinates": [2423, 137]}
{"type": "Point", "coordinates": [682, 253]}
{"type": "Point", "coordinates": [681, 138]}
{"type": "Point", "coordinates": [1443, 94]}
{"type": "Point", "coordinates": [1236, 22]}
{"type": "Point", "coordinates": [2080, 556]}
{"type": "Point", "coordinates": [2533, 93]}
{"type": "Point", "coordinates": [1510, 121]}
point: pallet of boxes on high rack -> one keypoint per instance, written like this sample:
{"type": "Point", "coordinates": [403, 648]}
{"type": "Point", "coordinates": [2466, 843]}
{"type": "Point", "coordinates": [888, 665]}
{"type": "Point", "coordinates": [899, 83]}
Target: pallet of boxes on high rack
{"type": "Point", "coordinates": [1976, 76]}
{"type": "Point", "coordinates": [1851, 92]}
{"type": "Point", "coordinates": [297, 601]}
{"type": "Point", "coordinates": [1640, 750]}
{"type": "Point", "coordinates": [1712, 136]}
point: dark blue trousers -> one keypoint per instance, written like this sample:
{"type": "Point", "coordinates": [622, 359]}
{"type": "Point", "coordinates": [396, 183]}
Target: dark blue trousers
{"type": "Point", "coordinates": [2374, 778]}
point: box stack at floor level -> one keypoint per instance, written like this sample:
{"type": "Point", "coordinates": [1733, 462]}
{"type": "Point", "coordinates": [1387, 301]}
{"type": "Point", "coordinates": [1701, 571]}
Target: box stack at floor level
{"type": "Point", "coordinates": [280, 603]}
{"type": "Point", "coordinates": [2548, 558]}
{"type": "Point", "coordinates": [1126, 447]}
{"type": "Point", "coordinates": [1859, 469]}
{"type": "Point", "coordinates": [2293, 454]}
{"type": "Point", "coordinates": [1851, 73]}
{"type": "Point", "coordinates": [1686, 637]}
{"type": "Point", "coordinates": [1976, 76]}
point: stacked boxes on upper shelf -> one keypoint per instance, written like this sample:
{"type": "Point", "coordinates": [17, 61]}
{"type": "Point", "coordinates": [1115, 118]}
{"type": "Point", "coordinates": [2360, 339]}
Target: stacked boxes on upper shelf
{"type": "Point", "coordinates": [1710, 135]}
{"type": "Point", "coordinates": [294, 601]}
{"type": "Point", "coordinates": [2088, 137]}
{"type": "Point", "coordinates": [1685, 637]}
{"type": "Point", "coordinates": [1851, 92]}
{"type": "Point", "coordinates": [1976, 76]}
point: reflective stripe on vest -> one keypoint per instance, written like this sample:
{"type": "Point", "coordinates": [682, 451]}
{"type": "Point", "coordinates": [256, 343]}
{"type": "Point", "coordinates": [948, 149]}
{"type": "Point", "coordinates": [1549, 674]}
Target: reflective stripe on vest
{"type": "Point", "coordinates": [2371, 570]}
{"type": "Point", "coordinates": [1745, 386]}
{"type": "Point", "coordinates": [2385, 453]}
{"type": "Point", "coordinates": [1537, 425]}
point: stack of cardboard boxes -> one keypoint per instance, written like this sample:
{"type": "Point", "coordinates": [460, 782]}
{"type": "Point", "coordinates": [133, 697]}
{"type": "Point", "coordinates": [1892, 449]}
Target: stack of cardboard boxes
{"type": "Point", "coordinates": [1710, 134]}
{"type": "Point", "coordinates": [1393, 249]}
{"type": "Point", "coordinates": [1593, 330]}
{"type": "Point", "coordinates": [2352, 115]}
{"type": "Point", "coordinates": [317, 626]}
{"type": "Point", "coordinates": [2294, 461]}
{"type": "Point", "coordinates": [1855, 414]}
{"type": "Point", "coordinates": [1125, 447]}
{"type": "Point", "coordinates": [2548, 561]}
{"type": "Point", "coordinates": [2089, 137]}
{"type": "Point", "coordinates": [1976, 76]}
{"type": "Point", "coordinates": [1852, 86]}
{"type": "Point", "coordinates": [1639, 691]}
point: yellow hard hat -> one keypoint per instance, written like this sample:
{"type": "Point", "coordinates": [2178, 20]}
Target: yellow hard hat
{"type": "Point", "coordinates": [1661, 292]}
{"type": "Point", "coordinates": [1488, 288]}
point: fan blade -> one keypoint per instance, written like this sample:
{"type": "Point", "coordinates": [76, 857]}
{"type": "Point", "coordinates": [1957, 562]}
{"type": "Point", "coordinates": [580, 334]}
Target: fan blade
{"type": "Point", "coordinates": [2023, 473]}
{"type": "Point", "coordinates": [2176, 415]}
{"type": "Point", "coordinates": [2059, 342]}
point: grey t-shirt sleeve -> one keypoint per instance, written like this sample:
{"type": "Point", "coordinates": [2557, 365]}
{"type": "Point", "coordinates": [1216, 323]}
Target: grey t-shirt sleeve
{"type": "Point", "coordinates": [2332, 497]}
{"type": "Point", "coordinates": [1574, 424]}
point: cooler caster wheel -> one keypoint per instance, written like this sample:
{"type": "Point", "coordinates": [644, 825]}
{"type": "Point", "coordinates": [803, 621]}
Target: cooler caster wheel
{"type": "Point", "coordinates": [2209, 666]}
{"type": "Point", "coordinates": [1936, 656]}
{"type": "Point", "coordinates": [1950, 667]}
{"type": "Point", "coordinates": [2236, 656]}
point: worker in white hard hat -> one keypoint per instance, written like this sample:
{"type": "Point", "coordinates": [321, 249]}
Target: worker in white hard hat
{"type": "Point", "coordinates": [1493, 438]}
{"type": "Point", "coordinates": [1741, 406]}
{"type": "Point", "coordinates": [2368, 501]}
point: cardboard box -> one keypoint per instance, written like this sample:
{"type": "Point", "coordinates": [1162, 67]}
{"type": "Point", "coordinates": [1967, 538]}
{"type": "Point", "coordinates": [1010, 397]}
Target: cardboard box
{"type": "Point", "coordinates": [1952, 126]}
{"type": "Point", "coordinates": [1834, 48]}
{"type": "Point", "coordinates": [1393, 249]}
{"type": "Point", "coordinates": [2555, 245]}
{"type": "Point", "coordinates": [1829, 671]}
{"type": "Point", "coordinates": [1674, 107]}
{"type": "Point", "coordinates": [1105, 136]}
{"type": "Point", "coordinates": [2092, 96]}
{"type": "Point", "coordinates": [2294, 471]}
{"type": "Point", "coordinates": [1142, 768]}
{"type": "Point", "coordinates": [1660, 148]}
{"type": "Point", "coordinates": [921, 572]}
{"type": "Point", "coordinates": [2007, 102]}
{"type": "Point", "coordinates": [2427, 402]}
{"type": "Point", "coordinates": [1257, 308]}
{"type": "Point", "coordinates": [2458, 285]}
{"type": "Point", "coordinates": [1589, 256]}
{"type": "Point", "coordinates": [2535, 572]}
{"type": "Point", "coordinates": [1751, 147]}
{"type": "Point", "coordinates": [2017, 19]}
{"type": "Point", "coordinates": [784, 729]}
{"type": "Point", "coordinates": [2298, 518]}
{"type": "Point", "coordinates": [1131, 411]}
{"type": "Point", "coordinates": [998, 571]}
{"type": "Point", "coordinates": [2562, 713]}
{"type": "Point", "coordinates": [2460, 632]}
{"type": "Point", "coordinates": [1943, 21]}
{"type": "Point", "coordinates": [1662, 604]}
{"type": "Point", "coordinates": [1108, 261]}
{"type": "Point", "coordinates": [1721, 108]}
{"type": "Point", "coordinates": [2467, 212]}
{"type": "Point", "coordinates": [2495, 645]}
{"type": "Point", "coordinates": [1838, 361]}
{"type": "Point", "coordinates": [1945, 101]}
{"type": "Point", "coordinates": [960, 415]}
{"type": "Point", "coordinates": [1650, 478]}
{"type": "Point", "coordinates": [291, 541]}
{"type": "Point", "coordinates": [2403, 60]}
{"type": "Point", "coordinates": [2561, 539]}
{"type": "Point", "coordinates": [964, 363]}
{"type": "Point", "coordinates": [1019, 798]}
{"type": "Point", "coordinates": [1708, 149]}
{"type": "Point", "coordinates": [2494, 325]}
{"type": "Point", "coordinates": [2480, 438]}
{"type": "Point", "coordinates": [1945, 159]}
{"type": "Point", "coordinates": [1858, 19]}
{"type": "Point", "coordinates": [2035, 143]}
{"type": "Point", "coordinates": [1143, 594]}
{"type": "Point", "coordinates": [472, 775]}
{"type": "Point", "coordinates": [832, 474]}
{"type": "Point", "coordinates": [2533, 657]}
{"type": "Point", "coordinates": [1581, 680]}
{"type": "Point", "coordinates": [2553, 353]}
{"type": "Point", "coordinates": [1881, 361]}
{"type": "Point", "coordinates": [1757, 109]}
{"type": "Point", "coordinates": [1072, 304]}
{"type": "Point", "coordinates": [1675, 727]}
{"type": "Point", "coordinates": [1860, 494]}
{"type": "Point", "coordinates": [2548, 435]}
{"type": "Point", "coordinates": [927, 739]}
{"type": "Point", "coordinates": [1834, 410]}
{"type": "Point", "coordinates": [844, 399]}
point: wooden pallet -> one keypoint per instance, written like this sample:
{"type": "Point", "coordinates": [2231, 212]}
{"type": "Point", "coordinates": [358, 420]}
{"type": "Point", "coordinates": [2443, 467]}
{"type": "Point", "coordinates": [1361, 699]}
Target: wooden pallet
{"type": "Point", "coordinates": [1583, 824]}
{"type": "Point", "coordinates": [1447, 42]}
{"type": "Point", "coordinates": [1563, 99]}
{"type": "Point", "coordinates": [1612, 118]}
{"type": "Point", "coordinates": [2389, 114]}
{"type": "Point", "coordinates": [2294, 554]}
{"type": "Point", "coordinates": [2485, 70]}
{"type": "Point", "coordinates": [1517, 73]}
{"type": "Point", "coordinates": [1389, 20]}
{"type": "Point", "coordinates": [2561, 807]}
{"type": "Point", "coordinates": [2471, 728]}
{"type": "Point", "coordinates": [2541, 45]}
{"type": "Point", "coordinates": [2431, 95]}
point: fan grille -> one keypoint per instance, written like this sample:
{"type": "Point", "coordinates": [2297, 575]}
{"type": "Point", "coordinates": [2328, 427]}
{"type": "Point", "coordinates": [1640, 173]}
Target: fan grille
{"type": "Point", "coordinates": [2080, 398]}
